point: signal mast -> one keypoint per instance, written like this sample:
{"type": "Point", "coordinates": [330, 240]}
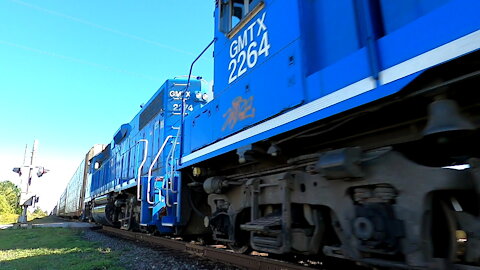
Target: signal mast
{"type": "Point", "coordinates": [28, 198]}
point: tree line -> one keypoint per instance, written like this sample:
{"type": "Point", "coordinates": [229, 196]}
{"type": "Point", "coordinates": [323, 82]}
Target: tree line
{"type": "Point", "coordinates": [10, 209]}
{"type": "Point", "coordinates": [9, 202]}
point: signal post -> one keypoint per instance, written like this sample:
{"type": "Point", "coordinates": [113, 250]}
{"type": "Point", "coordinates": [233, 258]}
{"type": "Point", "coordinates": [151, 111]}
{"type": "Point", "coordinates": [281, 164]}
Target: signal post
{"type": "Point", "coordinates": [28, 198]}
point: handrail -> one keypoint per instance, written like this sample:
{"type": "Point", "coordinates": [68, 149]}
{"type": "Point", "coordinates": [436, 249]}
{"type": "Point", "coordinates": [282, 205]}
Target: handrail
{"type": "Point", "coordinates": [170, 166]}
{"type": "Point", "coordinates": [172, 173]}
{"type": "Point", "coordinates": [167, 202]}
{"type": "Point", "coordinates": [145, 152]}
{"type": "Point", "coordinates": [168, 182]}
{"type": "Point", "coordinates": [165, 182]}
{"type": "Point", "coordinates": [183, 97]}
{"type": "Point", "coordinates": [153, 164]}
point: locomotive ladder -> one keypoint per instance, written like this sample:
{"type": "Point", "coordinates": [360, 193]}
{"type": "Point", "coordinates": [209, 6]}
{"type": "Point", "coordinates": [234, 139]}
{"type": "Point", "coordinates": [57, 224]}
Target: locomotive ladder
{"type": "Point", "coordinates": [170, 174]}
{"type": "Point", "coordinates": [145, 154]}
{"type": "Point", "coordinates": [149, 177]}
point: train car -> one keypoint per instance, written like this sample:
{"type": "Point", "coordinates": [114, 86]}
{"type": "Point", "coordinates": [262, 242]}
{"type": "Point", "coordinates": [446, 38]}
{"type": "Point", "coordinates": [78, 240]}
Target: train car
{"type": "Point", "coordinates": [332, 128]}
{"type": "Point", "coordinates": [71, 203]}
{"type": "Point", "coordinates": [60, 208]}
{"type": "Point", "coordinates": [54, 211]}
{"type": "Point", "coordinates": [134, 184]}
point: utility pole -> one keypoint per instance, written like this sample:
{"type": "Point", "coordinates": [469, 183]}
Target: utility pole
{"type": "Point", "coordinates": [27, 199]}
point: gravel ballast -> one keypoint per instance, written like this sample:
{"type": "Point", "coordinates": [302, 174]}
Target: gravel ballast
{"type": "Point", "coordinates": [137, 256]}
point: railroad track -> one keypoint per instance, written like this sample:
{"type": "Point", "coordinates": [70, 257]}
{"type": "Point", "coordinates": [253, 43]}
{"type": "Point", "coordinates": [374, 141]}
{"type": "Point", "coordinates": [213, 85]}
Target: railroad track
{"type": "Point", "coordinates": [212, 253]}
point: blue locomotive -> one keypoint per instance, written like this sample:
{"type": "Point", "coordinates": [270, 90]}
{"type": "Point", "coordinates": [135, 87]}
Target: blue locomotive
{"type": "Point", "coordinates": [330, 134]}
{"type": "Point", "coordinates": [134, 182]}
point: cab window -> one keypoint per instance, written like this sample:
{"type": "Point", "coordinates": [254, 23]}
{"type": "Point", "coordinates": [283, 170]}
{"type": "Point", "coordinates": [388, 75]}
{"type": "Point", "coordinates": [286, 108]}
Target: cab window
{"type": "Point", "coordinates": [232, 12]}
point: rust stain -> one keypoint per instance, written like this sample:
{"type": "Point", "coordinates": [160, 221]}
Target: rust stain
{"type": "Point", "coordinates": [241, 109]}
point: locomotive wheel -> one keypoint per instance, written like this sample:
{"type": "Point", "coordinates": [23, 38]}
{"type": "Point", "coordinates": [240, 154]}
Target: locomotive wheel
{"type": "Point", "coordinates": [240, 248]}
{"type": "Point", "coordinates": [442, 232]}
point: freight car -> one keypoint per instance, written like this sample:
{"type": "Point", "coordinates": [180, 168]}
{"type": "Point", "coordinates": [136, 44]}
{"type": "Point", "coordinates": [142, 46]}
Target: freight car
{"type": "Point", "coordinates": [331, 133]}
{"type": "Point", "coordinates": [71, 203]}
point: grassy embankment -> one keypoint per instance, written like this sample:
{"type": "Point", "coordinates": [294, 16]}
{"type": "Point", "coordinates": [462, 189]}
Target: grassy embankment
{"type": "Point", "coordinates": [52, 248]}
{"type": "Point", "coordinates": [9, 218]}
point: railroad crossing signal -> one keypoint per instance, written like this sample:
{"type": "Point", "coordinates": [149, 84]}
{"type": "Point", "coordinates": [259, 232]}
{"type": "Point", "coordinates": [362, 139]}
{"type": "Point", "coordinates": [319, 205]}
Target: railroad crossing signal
{"type": "Point", "coordinates": [18, 170]}
{"type": "Point", "coordinates": [27, 199]}
{"type": "Point", "coordinates": [41, 171]}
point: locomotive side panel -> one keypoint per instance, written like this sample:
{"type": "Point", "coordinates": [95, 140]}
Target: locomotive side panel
{"type": "Point", "coordinates": [333, 77]}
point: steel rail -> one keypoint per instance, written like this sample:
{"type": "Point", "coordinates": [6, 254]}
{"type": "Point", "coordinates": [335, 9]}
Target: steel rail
{"type": "Point", "coordinates": [215, 254]}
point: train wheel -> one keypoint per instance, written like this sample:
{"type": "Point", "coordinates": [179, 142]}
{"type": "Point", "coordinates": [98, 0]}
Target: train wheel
{"type": "Point", "coordinates": [442, 232]}
{"type": "Point", "coordinates": [240, 248]}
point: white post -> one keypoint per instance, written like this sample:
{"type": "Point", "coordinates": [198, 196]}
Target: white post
{"type": "Point", "coordinates": [25, 199]}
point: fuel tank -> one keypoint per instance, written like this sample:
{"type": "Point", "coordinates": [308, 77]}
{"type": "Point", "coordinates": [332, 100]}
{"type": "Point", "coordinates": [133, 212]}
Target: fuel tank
{"type": "Point", "coordinates": [103, 210]}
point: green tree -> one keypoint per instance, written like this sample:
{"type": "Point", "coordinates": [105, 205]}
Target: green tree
{"type": "Point", "coordinates": [9, 198]}
{"type": "Point", "coordinates": [39, 213]}
{"type": "Point", "coordinates": [4, 206]}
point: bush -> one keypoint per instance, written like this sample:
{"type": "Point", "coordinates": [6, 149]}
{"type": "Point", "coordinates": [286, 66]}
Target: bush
{"type": "Point", "coordinates": [9, 199]}
{"type": "Point", "coordinates": [38, 213]}
{"type": "Point", "coordinates": [8, 218]}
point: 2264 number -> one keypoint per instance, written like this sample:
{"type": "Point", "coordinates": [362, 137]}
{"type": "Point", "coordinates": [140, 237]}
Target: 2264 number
{"type": "Point", "coordinates": [248, 56]}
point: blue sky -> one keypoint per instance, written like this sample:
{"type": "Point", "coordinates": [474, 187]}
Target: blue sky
{"type": "Point", "coordinates": [71, 72]}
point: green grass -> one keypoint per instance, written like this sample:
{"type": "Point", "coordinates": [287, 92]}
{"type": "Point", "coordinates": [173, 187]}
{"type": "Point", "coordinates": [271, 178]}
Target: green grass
{"type": "Point", "coordinates": [52, 248]}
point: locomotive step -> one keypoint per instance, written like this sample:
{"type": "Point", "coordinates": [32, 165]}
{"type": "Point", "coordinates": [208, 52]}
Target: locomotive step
{"type": "Point", "coordinates": [263, 224]}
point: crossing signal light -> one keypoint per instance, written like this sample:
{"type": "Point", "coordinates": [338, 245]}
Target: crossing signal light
{"type": "Point", "coordinates": [41, 171]}
{"type": "Point", "coordinates": [18, 170]}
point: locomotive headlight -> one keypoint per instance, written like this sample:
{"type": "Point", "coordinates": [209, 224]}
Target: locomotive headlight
{"type": "Point", "coordinates": [206, 222]}
{"type": "Point", "coordinates": [197, 171]}
{"type": "Point", "coordinates": [201, 96]}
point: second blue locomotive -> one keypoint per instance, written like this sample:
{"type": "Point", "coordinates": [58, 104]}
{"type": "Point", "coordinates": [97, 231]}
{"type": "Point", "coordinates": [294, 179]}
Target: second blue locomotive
{"type": "Point", "coordinates": [134, 183]}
